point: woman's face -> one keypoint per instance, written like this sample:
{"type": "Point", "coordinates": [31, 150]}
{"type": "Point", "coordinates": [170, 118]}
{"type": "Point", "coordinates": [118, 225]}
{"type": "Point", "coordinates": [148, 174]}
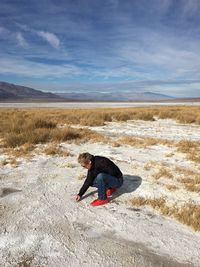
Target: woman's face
{"type": "Point", "coordinates": [86, 165]}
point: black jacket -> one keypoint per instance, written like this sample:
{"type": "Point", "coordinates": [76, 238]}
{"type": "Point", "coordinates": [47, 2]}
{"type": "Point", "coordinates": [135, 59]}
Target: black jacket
{"type": "Point", "coordinates": [99, 165]}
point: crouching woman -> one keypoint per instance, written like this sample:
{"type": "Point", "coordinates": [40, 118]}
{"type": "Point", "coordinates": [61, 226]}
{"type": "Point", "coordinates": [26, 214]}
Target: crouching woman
{"type": "Point", "coordinates": [103, 174]}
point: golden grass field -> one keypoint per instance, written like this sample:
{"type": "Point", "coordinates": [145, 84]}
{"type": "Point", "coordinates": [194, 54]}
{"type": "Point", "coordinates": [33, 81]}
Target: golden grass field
{"type": "Point", "coordinates": [22, 129]}
{"type": "Point", "coordinates": [32, 126]}
{"type": "Point", "coordinates": [19, 126]}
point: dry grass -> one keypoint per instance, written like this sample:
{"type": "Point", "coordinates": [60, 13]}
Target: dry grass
{"type": "Point", "coordinates": [4, 162]}
{"type": "Point", "coordinates": [190, 148]}
{"type": "Point", "coordinates": [45, 135]}
{"type": "Point", "coordinates": [54, 149]}
{"type": "Point", "coordinates": [34, 136]}
{"type": "Point", "coordinates": [70, 165]}
{"type": "Point", "coordinates": [24, 151]}
{"type": "Point", "coordinates": [95, 119]}
{"type": "Point", "coordinates": [23, 143]}
{"type": "Point", "coordinates": [149, 165]}
{"type": "Point", "coordinates": [142, 142]}
{"type": "Point", "coordinates": [12, 161]}
{"type": "Point", "coordinates": [191, 184]}
{"type": "Point", "coordinates": [169, 155]}
{"type": "Point", "coordinates": [115, 144]}
{"type": "Point", "coordinates": [45, 118]}
{"type": "Point", "coordinates": [184, 171]}
{"type": "Point", "coordinates": [163, 172]}
{"type": "Point", "coordinates": [35, 126]}
{"type": "Point", "coordinates": [189, 178]}
{"type": "Point", "coordinates": [81, 176]}
{"type": "Point", "coordinates": [181, 114]}
{"type": "Point", "coordinates": [172, 187]}
{"type": "Point", "coordinates": [156, 203]}
{"type": "Point", "coordinates": [188, 214]}
{"type": "Point", "coordinates": [79, 135]}
{"type": "Point", "coordinates": [26, 261]}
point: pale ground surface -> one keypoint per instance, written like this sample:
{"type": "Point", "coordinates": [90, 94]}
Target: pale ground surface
{"type": "Point", "coordinates": [93, 104]}
{"type": "Point", "coordinates": [41, 225]}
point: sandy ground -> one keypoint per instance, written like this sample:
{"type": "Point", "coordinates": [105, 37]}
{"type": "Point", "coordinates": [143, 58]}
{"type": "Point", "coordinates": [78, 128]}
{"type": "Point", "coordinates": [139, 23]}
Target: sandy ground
{"type": "Point", "coordinates": [41, 225]}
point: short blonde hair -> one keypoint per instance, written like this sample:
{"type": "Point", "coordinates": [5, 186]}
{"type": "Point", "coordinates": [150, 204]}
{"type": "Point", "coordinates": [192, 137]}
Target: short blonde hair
{"type": "Point", "coordinates": [84, 157]}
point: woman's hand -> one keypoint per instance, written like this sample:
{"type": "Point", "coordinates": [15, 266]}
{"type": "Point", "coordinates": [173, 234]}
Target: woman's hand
{"type": "Point", "coordinates": [77, 198]}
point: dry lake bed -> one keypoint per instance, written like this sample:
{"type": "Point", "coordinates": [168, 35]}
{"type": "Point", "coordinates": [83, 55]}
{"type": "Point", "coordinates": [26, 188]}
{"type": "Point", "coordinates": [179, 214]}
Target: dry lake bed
{"type": "Point", "coordinates": [41, 225]}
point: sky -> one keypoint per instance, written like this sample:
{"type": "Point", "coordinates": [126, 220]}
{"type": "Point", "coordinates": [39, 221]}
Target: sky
{"type": "Point", "coordinates": [102, 45]}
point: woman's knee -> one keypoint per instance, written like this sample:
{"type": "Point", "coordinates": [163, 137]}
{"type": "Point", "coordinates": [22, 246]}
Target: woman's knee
{"type": "Point", "coordinates": [100, 177]}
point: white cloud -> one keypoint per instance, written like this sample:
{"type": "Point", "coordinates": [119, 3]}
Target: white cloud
{"type": "Point", "coordinates": [152, 52]}
{"type": "Point", "coordinates": [51, 38]}
{"type": "Point", "coordinates": [20, 39]}
{"type": "Point", "coordinates": [26, 68]}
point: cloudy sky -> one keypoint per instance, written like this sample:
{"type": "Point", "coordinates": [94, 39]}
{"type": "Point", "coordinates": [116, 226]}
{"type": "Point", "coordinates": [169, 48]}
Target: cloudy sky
{"type": "Point", "coordinates": [107, 45]}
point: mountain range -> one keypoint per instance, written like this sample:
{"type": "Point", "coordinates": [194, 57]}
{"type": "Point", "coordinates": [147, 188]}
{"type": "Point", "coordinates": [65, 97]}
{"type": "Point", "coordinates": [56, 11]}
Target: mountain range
{"type": "Point", "coordinates": [10, 91]}
{"type": "Point", "coordinates": [116, 96]}
{"type": "Point", "coordinates": [13, 92]}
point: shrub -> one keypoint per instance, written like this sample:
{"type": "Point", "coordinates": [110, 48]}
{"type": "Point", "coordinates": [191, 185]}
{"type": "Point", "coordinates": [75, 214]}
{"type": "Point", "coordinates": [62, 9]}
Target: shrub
{"type": "Point", "coordinates": [41, 123]}
{"type": "Point", "coordinates": [163, 172]}
{"type": "Point", "coordinates": [54, 149]}
{"type": "Point", "coordinates": [188, 214]}
{"type": "Point", "coordinates": [146, 116]}
{"type": "Point", "coordinates": [65, 134]}
{"type": "Point", "coordinates": [190, 148]}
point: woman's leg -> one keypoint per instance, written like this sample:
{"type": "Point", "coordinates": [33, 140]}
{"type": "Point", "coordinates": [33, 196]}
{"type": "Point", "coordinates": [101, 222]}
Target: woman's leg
{"type": "Point", "coordinates": [104, 181]}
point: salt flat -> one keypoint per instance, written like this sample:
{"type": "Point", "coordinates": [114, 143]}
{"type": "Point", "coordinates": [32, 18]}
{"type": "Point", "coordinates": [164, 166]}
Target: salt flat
{"type": "Point", "coordinates": [41, 225]}
{"type": "Point", "coordinates": [93, 104]}
{"type": "Point", "coordinates": [164, 129]}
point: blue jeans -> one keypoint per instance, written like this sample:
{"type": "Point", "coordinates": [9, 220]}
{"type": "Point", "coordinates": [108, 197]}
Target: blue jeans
{"type": "Point", "coordinates": [103, 181]}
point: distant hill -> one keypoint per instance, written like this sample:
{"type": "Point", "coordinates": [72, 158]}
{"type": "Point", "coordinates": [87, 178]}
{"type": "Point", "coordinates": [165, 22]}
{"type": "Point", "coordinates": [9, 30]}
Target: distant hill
{"type": "Point", "coordinates": [12, 92]}
{"type": "Point", "coordinates": [17, 93]}
{"type": "Point", "coordinates": [116, 96]}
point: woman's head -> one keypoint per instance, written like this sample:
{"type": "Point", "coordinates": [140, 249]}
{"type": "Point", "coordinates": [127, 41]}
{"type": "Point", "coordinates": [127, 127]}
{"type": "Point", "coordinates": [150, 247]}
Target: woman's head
{"type": "Point", "coordinates": [85, 159]}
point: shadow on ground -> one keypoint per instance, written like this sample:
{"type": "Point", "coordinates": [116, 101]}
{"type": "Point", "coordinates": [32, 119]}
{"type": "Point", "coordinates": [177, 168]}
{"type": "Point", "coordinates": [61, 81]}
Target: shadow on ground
{"type": "Point", "coordinates": [130, 184]}
{"type": "Point", "coordinates": [6, 191]}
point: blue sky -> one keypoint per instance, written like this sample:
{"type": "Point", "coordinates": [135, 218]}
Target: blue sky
{"type": "Point", "coordinates": [102, 45]}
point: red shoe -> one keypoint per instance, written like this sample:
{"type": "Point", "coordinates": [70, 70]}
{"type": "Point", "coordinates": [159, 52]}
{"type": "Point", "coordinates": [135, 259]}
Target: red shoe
{"type": "Point", "coordinates": [99, 202]}
{"type": "Point", "coordinates": [110, 191]}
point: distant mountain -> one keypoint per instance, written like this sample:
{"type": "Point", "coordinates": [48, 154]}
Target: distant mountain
{"type": "Point", "coordinates": [16, 93]}
{"type": "Point", "coordinates": [116, 96]}
{"type": "Point", "coordinates": [12, 92]}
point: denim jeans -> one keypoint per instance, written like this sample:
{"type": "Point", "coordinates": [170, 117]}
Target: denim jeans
{"type": "Point", "coordinates": [103, 181]}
